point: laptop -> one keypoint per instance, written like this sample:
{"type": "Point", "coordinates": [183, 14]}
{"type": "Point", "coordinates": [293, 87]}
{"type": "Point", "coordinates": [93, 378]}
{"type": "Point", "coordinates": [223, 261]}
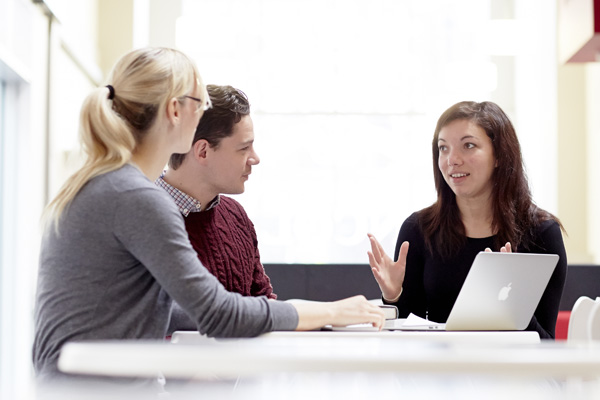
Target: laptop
{"type": "Point", "coordinates": [500, 293]}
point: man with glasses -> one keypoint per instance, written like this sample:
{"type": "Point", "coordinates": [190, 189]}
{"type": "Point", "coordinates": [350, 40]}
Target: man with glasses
{"type": "Point", "coordinates": [220, 162]}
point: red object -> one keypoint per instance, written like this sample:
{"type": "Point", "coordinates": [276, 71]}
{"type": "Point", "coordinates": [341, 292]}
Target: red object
{"type": "Point", "coordinates": [562, 325]}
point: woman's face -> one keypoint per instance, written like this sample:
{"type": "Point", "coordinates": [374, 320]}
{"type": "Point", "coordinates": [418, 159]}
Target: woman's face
{"type": "Point", "coordinates": [466, 160]}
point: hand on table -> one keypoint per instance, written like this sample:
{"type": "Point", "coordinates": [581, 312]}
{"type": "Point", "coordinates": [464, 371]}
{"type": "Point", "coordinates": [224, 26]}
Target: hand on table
{"type": "Point", "coordinates": [353, 310]}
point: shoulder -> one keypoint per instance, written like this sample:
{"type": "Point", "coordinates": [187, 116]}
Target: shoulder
{"type": "Point", "coordinates": [131, 192]}
{"type": "Point", "coordinates": [547, 230]}
{"type": "Point", "coordinates": [412, 222]}
{"type": "Point", "coordinates": [546, 225]}
{"type": "Point", "coordinates": [411, 230]}
{"type": "Point", "coordinates": [547, 238]}
{"type": "Point", "coordinates": [232, 206]}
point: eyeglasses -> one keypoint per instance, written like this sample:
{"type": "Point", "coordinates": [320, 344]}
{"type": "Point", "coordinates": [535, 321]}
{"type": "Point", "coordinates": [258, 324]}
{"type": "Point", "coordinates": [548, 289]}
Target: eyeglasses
{"type": "Point", "coordinates": [201, 104]}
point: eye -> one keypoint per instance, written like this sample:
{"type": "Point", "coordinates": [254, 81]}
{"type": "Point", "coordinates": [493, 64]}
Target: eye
{"type": "Point", "coordinates": [469, 145]}
{"type": "Point", "coordinates": [442, 148]}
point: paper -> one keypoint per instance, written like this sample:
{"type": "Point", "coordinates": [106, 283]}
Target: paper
{"type": "Point", "coordinates": [368, 327]}
{"type": "Point", "coordinates": [415, 320]}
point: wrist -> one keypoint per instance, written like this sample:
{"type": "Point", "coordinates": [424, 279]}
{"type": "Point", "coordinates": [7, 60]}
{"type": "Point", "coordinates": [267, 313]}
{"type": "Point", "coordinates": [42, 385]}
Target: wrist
{"type": "Point", "coordinates": [392, 299]}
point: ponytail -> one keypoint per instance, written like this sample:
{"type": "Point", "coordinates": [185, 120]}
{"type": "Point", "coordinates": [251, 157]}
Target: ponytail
{"type": "Point", "coordinates": [115, 118]}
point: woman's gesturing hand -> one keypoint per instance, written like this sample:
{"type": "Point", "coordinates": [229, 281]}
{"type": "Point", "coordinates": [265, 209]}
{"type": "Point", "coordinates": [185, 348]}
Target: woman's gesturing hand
{"type": "Point", "coordinates": [388, 274]}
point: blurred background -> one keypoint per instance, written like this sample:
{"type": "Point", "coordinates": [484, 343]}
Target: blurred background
{"type": "Point", "coordinates": [345, 96]}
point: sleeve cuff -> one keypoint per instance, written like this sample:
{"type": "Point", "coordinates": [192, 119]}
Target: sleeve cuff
{"type": "Point", "coordinates": [285, 316]}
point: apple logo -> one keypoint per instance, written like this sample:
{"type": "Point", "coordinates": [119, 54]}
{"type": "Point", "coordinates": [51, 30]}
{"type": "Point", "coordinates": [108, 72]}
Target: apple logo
{"type": "Point", "coordinates": [503, 294]}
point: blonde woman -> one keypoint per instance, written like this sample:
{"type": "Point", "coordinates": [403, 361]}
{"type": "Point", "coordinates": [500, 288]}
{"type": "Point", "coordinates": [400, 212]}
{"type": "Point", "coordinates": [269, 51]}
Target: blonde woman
{"type": "Point", "coordinates": [115, 253]}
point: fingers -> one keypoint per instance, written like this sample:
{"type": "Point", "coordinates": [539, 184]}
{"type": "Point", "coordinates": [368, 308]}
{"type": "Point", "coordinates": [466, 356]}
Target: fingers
{"type": "Point", "coordinates": [378, 320]}
{"type": "Point", "coordinates": [372, 261]}
{"type": "Point", "coordinates": [376, 248]}
{"type": "Point", "coordinates": [403, 253]}
{"type": "Point", "coordinates": [375, 315]}
{"type": "Point", "coordinates": [507, 248]}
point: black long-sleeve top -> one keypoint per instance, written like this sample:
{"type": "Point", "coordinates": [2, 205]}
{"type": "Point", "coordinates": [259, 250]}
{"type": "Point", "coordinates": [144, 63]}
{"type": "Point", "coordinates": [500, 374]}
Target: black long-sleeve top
{"type": "Point", "coordinates": [431, 284]}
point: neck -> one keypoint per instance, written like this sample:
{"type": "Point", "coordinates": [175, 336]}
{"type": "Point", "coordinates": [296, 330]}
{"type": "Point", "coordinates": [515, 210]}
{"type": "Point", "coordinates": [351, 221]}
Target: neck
{"type": "Point", "coordinates": [150, 159]}
{"type": "Point", "coordinates": [477, 217]}
{"type": "Point", "coordinates": [192, 184]}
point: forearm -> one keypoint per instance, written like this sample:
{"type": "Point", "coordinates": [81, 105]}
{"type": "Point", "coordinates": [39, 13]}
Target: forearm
{"type": "Point", "coordinates": [312, 315]}
{"type": "Point", "coordinates": [354, 310]}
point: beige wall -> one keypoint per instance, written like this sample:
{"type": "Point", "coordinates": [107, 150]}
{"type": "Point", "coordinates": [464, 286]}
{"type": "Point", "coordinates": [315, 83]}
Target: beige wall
{"type": "Point", "coordinates": [115, 31]}
{"type": "Point", "coordinates": [578, 122]}
{"type": "Point", "coordinates": [593, 160]}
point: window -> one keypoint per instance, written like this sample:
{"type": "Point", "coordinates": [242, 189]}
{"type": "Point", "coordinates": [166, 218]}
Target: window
{"type": "Point", "coordinates": [345, 97]}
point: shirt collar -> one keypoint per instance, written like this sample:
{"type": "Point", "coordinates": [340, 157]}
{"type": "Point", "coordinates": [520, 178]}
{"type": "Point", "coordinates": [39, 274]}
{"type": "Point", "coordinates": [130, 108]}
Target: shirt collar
{"type": "Point", "coordinates": [186, 203]}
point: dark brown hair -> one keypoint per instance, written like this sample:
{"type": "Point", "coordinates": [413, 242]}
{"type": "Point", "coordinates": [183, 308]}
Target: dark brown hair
{"type": "Point", "coordinates": [229, 105]}
{"type": "Point", "coordinates": [514, 212]}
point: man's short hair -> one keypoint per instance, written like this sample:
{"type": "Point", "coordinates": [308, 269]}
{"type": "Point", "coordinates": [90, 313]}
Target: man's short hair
{"type": "Point", "coordinates": [229, 105]}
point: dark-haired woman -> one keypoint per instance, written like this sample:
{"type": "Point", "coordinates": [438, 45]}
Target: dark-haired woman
{"type": "Point", "coordinates": [483, 203]}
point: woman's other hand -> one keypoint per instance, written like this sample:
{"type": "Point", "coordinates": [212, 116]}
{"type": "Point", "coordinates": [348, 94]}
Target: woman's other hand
{"type": "Point", "coordinates": [507, 248]}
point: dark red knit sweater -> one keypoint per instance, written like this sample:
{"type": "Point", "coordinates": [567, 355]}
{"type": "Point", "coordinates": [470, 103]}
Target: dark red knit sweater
{"type": "Point", "coordinates": [226, 243]}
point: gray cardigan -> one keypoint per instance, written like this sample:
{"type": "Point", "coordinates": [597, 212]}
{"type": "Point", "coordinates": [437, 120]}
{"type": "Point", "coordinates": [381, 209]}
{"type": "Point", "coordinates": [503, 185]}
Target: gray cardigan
{"type": "Point", "coordinates": [120, 258]}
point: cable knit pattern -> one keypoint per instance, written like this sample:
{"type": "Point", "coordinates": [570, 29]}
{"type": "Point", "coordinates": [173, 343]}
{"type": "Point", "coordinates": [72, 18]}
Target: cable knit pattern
{"type": "Point", "coordinates": [226, 243]}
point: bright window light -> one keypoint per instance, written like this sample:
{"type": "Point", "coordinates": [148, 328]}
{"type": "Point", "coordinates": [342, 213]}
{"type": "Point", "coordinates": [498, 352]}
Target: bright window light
{"type": "Point", "coordinates": [345, 96]}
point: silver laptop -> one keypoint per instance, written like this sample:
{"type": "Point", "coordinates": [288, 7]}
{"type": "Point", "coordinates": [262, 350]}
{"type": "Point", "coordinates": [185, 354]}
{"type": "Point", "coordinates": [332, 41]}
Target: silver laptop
{"type": "Point", "coordinates": [501, 293]}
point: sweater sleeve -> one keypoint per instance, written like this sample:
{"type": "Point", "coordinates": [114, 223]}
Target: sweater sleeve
{"type": "Point", "coordinates": [151, 228]}
{"type": "Point", "coordinates": [261, 284]}
{"type": "Point", "coordinates": [549, 241]}
{"type": "Point", "coordinates": [413, 299]}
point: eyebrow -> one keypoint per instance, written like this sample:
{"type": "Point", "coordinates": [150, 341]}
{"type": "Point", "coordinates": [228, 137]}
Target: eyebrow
{"type": "Point", "coordinates": [246, 142]}
{"type": "Point", "coordinates": [461, 139]}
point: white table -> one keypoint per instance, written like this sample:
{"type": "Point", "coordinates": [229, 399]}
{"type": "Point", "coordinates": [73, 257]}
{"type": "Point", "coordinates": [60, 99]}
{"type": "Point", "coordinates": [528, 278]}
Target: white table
{"type": "Point", "coordinates": [333, 353]}
{"type": "Point", "coordinates": [496, 337]}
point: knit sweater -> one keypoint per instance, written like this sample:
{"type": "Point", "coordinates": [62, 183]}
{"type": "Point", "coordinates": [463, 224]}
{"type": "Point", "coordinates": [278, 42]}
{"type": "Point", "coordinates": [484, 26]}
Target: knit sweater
{"type": "Point", "coordinates": [226, 243]}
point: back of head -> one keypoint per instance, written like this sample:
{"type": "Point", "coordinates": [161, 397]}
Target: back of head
{"type": "Point", "coordinates": [114, 120]}
{"type": "Point", "coordinates": [229, 105]}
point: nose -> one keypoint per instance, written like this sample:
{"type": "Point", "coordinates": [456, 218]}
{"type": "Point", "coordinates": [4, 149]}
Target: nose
{"type": "Point", "coordinates": [254, 159]}
{"type": "Point", "coordinates": [453, 158]}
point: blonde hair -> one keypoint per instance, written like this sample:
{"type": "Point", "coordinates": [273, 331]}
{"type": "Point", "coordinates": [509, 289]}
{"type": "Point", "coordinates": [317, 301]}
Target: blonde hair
{"type": "Point", "coordinates": [144, 81]}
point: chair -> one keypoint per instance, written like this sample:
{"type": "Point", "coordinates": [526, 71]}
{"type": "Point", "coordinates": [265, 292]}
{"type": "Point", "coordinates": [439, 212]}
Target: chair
{"type": "Point", "coordinates": [594, 321]}
{"type": "Point", "coordinates": [562, 325]}
{"type": "Point", "coordinates": [581, 319]}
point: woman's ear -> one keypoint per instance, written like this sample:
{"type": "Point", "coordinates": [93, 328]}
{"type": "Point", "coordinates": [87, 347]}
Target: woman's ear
{"type": "Point", "coordinates": [173, 111]}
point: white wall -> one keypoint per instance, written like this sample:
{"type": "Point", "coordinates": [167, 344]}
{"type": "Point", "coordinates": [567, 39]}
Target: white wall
{"type": "Point", "coordinates": [592, 101]}
{"type": "Point", "coordinates": [26, 39]}
{"type": "Point", "coordinates": [345, 102]}
{"type": "Point", "coordinates": [23, 50]}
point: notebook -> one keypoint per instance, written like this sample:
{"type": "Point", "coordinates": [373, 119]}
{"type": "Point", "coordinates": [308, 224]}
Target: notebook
{"type": "Point", "coordinates": [391, 322]}
{"type": "Point", "coordinates": [500, 293]}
